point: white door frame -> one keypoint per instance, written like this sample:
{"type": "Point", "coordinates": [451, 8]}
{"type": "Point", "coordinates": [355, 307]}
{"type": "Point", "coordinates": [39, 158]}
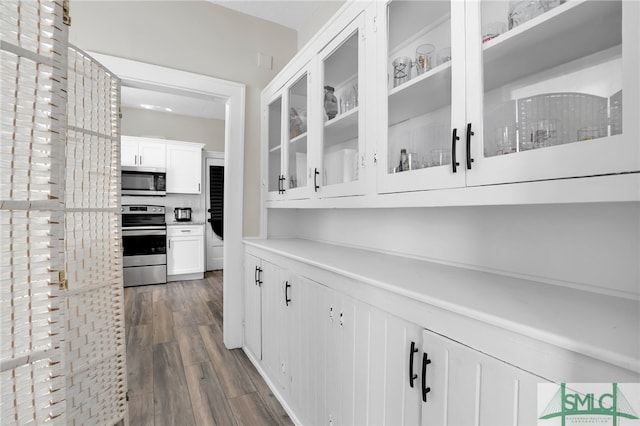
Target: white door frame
{"type": "Point", "coordinates": [233, 94]}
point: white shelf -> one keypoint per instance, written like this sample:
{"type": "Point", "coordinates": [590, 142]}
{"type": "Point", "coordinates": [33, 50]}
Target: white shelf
{"type": "Point", "coordinates": [275, 149]}
{"type": "Point", "coordinates": [571, 31]}
{"type": "Point", "coordinates": [429, 92]}
{"type": "Point", "coordinates": [342, 128]}
{"type": "Point", "coordinates": [299, 138]}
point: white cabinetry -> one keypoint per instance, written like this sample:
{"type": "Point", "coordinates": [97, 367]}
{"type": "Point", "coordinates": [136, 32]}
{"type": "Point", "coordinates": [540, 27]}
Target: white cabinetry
{"type": "Point", "coordinates": [185, 251]}
{"type": "Point", "coordinates": [288, 173]}
{"type": "Point", "coordinates": [253, 306]}
{"type": "Point", "coordinates": [184, 167]}
{"type": "Point", "coordinates": [493, 108]}
{"type": "Point", "coordinates": [489, 107]}
{"type": "Point", "coordinates": [344, 342]}
{"type": "Point", "coordinates": [142, 152]}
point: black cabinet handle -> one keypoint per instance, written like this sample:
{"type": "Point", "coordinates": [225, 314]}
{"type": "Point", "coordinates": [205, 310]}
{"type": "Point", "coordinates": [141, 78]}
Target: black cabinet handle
{"type": "Point", "coordinates": [259, 277]}
{"type": "Point", "coordinates": [316, 172]}
{"type": "Point", "coordinates": [281, 184]}
{"type": "Point", "coordinates": [469, 134]}
{"type": "Point", "coordinates": [454, 161]}
{"type": "Point", "coordinates": [287, 286]}
{"type": "Point", "coordinates": [412, 376]}
{"type": "Point", "coordinates": [425, 390]}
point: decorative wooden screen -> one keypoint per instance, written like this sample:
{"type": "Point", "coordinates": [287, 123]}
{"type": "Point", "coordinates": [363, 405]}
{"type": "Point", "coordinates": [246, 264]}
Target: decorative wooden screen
{"type": "Point", "coordinates": [95, 342]}
{"type": "Point", "coordinates": [62, 346]}
{"type": "Point", "coordinates": [33, 58]}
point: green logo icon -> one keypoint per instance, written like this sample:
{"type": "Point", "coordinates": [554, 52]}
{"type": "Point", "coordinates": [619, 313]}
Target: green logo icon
{"type": "Point", "coordinates": [567, 403]}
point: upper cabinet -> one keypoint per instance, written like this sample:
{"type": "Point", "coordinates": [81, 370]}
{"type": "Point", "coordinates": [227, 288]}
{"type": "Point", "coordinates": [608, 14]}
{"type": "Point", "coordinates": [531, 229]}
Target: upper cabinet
{"type": "Point", "coordinates": [181, 160]}
{"type": "Point", "coordinates": [184, 168]}
{"type": "Point", "coordinates": [339, 169]}
{"type": "Point", "coordinates": [441, 94]}
{"type": "Point", "coordinates": [552, 89]}
{"type": "Point", "coordinates": [422, 96]}
{"type": "Point", "coordinates": [142, 152]}
{"type": "Point", "coordinates": [285, 120]}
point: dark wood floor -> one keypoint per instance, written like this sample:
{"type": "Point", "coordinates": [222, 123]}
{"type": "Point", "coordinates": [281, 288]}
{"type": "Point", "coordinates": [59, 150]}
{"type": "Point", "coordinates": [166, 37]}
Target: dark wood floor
{"type": "Point", "coordinates": [179, 372]}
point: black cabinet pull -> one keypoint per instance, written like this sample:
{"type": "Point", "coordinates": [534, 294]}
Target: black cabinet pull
{"type": "Point", "coordinates": [454, 161]}
{"type": "Point", "coordinates": [412, 376]}
{"type": "Point", "coordinates": [315, 179]}
{"type": "Point", "coordinates": [425, 390]}
{"type": "Point", "coordinates": [287, 286]}
{"type": "Point", "coordinates": [281, 180]}
{"type": "Point", "coordinates": [469, 134]}
{"type": "Point", "coordinates": [259, 277]}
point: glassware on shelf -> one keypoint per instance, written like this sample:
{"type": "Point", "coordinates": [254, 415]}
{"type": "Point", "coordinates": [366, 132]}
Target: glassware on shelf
{"type": "Point", "coordinates": [443, 55]}
{"type": "Point", "coordinates": [401, 70]}
{"type": "Point", "coordinates": [521, 11]}
{"type": "Point", "coordinates": [492, 30]}
{"type": "Point", "coordinates": [440, 157]}
{"type": "Point", "coordinates": [330, 102]}
{"type": "Point", "coordinates": [615, 113]}
{"type": "Point", "coordinates": [424, 57]}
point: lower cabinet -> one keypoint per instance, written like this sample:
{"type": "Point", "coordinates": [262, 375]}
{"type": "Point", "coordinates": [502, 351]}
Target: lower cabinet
{"type": "Point", "coordinates": [185, 250]}
{"type": "Point", "coordinates": [336, 360]}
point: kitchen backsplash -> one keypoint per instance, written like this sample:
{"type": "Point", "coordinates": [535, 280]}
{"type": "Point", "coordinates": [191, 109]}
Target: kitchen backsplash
{"type": "Point", "coordinates": [171, 201]}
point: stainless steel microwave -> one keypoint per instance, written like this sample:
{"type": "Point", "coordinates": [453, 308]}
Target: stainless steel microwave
{"type": "Point", "coordinates": [144, 181]}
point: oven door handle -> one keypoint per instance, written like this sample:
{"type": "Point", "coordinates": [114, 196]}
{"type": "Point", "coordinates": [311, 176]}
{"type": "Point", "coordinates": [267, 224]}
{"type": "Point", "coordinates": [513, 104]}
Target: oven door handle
{"type": "Point", "coordinates": [142, 233]}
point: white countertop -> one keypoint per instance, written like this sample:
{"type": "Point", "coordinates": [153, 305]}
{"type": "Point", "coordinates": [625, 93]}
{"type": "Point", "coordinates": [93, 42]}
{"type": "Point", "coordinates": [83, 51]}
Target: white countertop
{"type": "Point", "coordinates": [599, 326]}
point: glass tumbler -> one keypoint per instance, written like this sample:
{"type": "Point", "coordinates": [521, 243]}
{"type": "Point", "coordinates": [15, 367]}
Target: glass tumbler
{"type": "Point", "coordinates": [424, 57]}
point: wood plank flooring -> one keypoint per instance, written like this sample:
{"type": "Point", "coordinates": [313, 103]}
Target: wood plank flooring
{"type": "Point", "coordinates": [179, 372]}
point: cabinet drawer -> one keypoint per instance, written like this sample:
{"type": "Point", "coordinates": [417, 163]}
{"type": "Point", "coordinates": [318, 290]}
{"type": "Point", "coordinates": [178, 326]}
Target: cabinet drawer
{"type": "Point", "coordinates": [184, 230]}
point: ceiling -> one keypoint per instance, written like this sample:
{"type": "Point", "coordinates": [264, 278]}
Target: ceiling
{"type": "Point", "coordinates": [291, 14]}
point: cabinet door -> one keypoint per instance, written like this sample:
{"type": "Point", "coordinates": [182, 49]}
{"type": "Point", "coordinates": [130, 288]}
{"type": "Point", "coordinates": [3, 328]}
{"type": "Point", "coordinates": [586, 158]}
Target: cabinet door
{"type": "Point", "coordinates": [553, 89]}
{"type": "Point", "coordinates": [274, 122]}
{"type": "Point", "coordinates": [128, 152]}
{"type": "Point", "coordinates": [422, 109]}
{"type": "Point", "coordinates": [253, 306]}
{"type": "Point", "coordinates": [273, 326]}
{"type": "Point", "coordinates": [297, 184]}
{"type": "Point", "coordinates": [185, 255]}
{"type": "Point", "coordinates": [184, 169]}
{"type": "Point", "coordinates": [465, 387]}
{"type": "Point", "coordinates": [402, 350]}
{"type": "Point", "coordinates": [342, 129]}
{"type": "Point", "coordinates": [152, 154]}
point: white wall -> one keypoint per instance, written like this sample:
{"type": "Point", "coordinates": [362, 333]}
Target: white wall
{"type": "Point", "coordinates": [590, 246]}
{"type": "Point", "coordinates": [199, 37]}
{"type": "Point", "coordinates": [319, 17]}
{"type": "Point", "coordinates": [144, 123]}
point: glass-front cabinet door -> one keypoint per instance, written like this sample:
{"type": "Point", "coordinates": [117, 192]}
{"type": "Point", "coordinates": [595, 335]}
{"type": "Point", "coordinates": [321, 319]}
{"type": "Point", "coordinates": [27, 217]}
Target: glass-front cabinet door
{"type": "Point", "coordinates": [423, 73]}
{"type": "Point", "coordinates": [547, 94]}
{"type": "Point", "coordinates": [274, 157]}
{"type": "Point", "coordinates": [296, 170]}
{"type": "Point", "coordinates": [342, 130]}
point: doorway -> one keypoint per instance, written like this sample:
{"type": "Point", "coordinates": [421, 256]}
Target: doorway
{"type": "Point", "coordinates": [167, 80]}
{"type": "Point", "coordinates": [214, 202]}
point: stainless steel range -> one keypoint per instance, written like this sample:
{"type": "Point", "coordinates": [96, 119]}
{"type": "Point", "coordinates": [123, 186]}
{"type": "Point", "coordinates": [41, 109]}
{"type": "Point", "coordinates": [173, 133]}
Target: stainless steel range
{"type": "Point", "coordinates": [144, 238]}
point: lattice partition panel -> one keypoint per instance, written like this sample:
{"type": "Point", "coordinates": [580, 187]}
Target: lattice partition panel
{"type": "Point", "coordinates": [33, 55]}
{"type": "Point", "coordinates": [95, 336]}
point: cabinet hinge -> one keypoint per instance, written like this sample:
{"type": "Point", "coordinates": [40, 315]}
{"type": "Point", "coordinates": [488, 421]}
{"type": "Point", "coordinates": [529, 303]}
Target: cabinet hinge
{"type": "Point", "coordinates": [66, 17]}
{"type": "Point", "coordinates": [375, 159]}
{"type": "Point", "coordinates": [62, 280]}
{"type": "Point", "coordinates": [375, 24]}
{"type": "Point", "coordinates": [120, 112]}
